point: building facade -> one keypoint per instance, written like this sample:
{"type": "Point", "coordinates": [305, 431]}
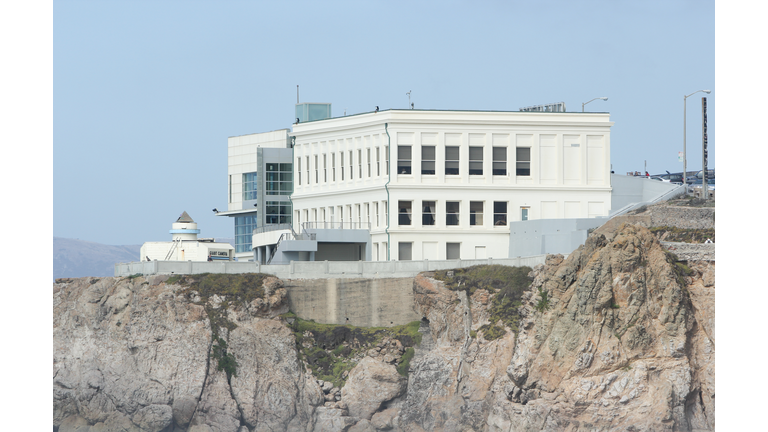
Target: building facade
{"type": "Point", "coordinates": [186, 246]}
{"type": "Point", "coordinates": [445, 184]}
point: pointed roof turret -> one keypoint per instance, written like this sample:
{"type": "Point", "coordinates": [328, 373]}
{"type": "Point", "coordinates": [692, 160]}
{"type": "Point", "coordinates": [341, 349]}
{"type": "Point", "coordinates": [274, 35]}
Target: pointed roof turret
{"type": "Point", "coordinates": [185, 218]}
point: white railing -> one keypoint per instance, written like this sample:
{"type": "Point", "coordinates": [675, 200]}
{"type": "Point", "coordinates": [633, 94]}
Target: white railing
{"type": "Point", "coordinates": [336, 225]}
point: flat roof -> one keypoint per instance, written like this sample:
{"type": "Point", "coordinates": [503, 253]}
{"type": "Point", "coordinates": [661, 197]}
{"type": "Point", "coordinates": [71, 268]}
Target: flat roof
{"type": "Point", "coordinates": [454, 110]}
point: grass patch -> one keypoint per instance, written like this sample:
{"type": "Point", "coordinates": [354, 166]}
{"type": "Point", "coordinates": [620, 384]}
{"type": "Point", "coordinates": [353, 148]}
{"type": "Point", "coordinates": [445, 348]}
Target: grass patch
{"type": "Point", "coordinates": [134, 276]}
{"type": "Point", "coordinates": [329, 350]}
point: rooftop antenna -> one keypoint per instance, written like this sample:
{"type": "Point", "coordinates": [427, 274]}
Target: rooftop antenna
{"type": "Point", "coordinates": [409, 99]}
{"type": "Point", "coordinates": [345, 112]}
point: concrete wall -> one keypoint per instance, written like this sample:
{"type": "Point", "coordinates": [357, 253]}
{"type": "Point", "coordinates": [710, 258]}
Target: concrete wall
{"type": "Point", "coordinates": [359, 302]}
{"type": "Point", "coordinates": [628, 190]}
{"type": "Point", "coordinates": [549, 236]}
{"type": "Point", "coordinates": [317, 269]}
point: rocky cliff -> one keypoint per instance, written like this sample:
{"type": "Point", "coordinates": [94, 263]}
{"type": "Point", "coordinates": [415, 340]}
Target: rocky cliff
{"type": "Point", "coordinates": [618, 336]}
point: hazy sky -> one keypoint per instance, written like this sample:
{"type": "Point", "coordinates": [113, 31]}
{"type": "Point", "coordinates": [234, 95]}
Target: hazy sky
{"type": "Point", "coordinates": [146, 93]}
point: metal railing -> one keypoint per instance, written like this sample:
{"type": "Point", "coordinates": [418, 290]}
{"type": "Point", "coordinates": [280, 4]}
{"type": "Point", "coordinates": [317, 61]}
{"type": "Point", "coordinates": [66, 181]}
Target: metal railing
{"type": "Point", "coordinates": [275, 227]}
{"type": "Point", "coordinates": [336, 225]}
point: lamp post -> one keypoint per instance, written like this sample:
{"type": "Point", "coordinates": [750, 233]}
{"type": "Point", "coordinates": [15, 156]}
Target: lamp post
{"type": "Point", "coordinates": [685, 159]}
{"type": "Point", "coordinates": [582, 105]}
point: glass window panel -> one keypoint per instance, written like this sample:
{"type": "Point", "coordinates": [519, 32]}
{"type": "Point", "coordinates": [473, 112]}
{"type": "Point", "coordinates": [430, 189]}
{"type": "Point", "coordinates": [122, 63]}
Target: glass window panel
{"type": "Point", "coordinates": [428, 213]}
{"type": "Point", "coordinates": [404, 212]}
{"type": "Point", "coordinates": [475, 212]}
{"type": "Point", "coordinates": [452, 213]}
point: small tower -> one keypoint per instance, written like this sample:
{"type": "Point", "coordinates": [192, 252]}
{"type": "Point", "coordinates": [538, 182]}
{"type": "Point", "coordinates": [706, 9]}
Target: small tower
{"type": "Point", "coordinates": [184, 228]}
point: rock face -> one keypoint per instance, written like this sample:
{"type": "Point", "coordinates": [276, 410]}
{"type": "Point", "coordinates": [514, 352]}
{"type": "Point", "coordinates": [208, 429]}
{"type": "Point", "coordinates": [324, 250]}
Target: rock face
{"type": "Point", "coordinates": [617, 336]}
{"type": "Point", "coordinates": [134, 354]}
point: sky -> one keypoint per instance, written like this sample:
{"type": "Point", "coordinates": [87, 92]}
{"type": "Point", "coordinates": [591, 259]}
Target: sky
{"type": "Point", "coordinates": [145, 94]}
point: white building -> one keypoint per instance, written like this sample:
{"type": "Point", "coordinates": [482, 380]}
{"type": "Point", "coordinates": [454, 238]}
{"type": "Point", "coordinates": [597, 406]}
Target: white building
{"type": "Point", "coordinates": [444, 184]}
{"type": "Point", "coordinates": [185, 246]}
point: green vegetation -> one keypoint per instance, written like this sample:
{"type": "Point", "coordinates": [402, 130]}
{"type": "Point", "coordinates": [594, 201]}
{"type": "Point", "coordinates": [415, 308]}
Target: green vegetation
{"type": "Point", "coordinates": [330, 350]}
{"type": "Point", "coordinates": [233, 290]}
{"type": "Point", "coordinates": [492, 331]}
{"type": "Point", "coordinates": [680, 269]}
{"type": "Point", "coordinates": [615, 306]}
{"type": "Point", "coordinates": [543, 303]}
{"type": "Point", "coordinates": [684, 235]}
{"type": "Point", "coordinates": [507, 283]}
{"type": "Point", "coordinates": [134, 276]}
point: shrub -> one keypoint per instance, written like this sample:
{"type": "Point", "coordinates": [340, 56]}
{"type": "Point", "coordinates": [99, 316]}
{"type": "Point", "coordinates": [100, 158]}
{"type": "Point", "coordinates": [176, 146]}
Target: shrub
{"type": "Point", "coordinates": [405, 362]}
{"type": "Point", "coordinates": [543, 303]}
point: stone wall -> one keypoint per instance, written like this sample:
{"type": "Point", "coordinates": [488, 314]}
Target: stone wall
{"type": "Point", "coordinates": [682, 217]}
{"type": "Point", "coordinates": [690, 251]}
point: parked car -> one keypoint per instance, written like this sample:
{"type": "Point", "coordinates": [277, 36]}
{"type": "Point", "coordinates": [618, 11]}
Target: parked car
{"type": "Point", "coordinates": [659, 178]}
{"type": "Point", "coordinates": [700, 175]}
{"type": "Point", "coordinates": [676, 178]}
{"type": "Point", "coordinates": [697, 183]}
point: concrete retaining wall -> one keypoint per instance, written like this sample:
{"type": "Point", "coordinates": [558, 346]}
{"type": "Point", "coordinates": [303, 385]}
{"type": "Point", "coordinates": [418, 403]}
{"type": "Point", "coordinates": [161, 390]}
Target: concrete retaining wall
{"type": "Point", "coordinates": [359, 302]}
{"type": "Point", "coordinates": [683, 217]}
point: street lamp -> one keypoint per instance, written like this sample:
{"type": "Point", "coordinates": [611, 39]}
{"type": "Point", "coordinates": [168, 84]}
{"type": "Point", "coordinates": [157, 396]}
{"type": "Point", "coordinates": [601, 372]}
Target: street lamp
{"type": "Point", "coordinates": [582, 105]}
{"type": "Point", "coordinates": [685, 159]}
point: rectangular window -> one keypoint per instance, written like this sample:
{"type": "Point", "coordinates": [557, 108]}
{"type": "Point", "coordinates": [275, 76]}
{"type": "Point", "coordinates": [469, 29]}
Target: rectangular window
{"type": "Point", "coordinates": [244, 226]}
{"type": "Point", "coordinates": [325, 168]}
{"type": "Point", "coordinates": [249, 186]}
{"type": "Point", "coordinates": [351, 164]}
{"type": "Point", "coordinates": [368, 152]}
{"type": "Point", "coordinates": [307, 161]}
{"type": "Point", "coordinates": [451, 160]}
{"type": "Point", "coordinates": [333, 166]}
{"type": "Point", "coordinates": [279, 179]}
{"type": "Point", "coordinates": [230, 188]}
{"type": "Point", "coordinates": [499, 161]}
{"type": "Point", "coordinates": [453, 250]}
{"type": "Point", "coordinates": [452, 213]}
{"type": "Point", "coordinates": [360, 164]}
{"type": "Point", "coordinates": [523, 161]}
{"type": "Point", "coordinates": [403, 159]}
{"type": "Point", "coordinates": [376, 211]}
{"type": "Point", "coordinates": [524, 213]}
{"type": "Point", "coordinates": [298, 169]}
{"type": "Point", "coordinates": [404, 212]}
{"type": "Point", "coordinates": [359, 215]}
{"type": "Point", "coordinates": [378, 161]}
{"type": "Point", "coordinates": [428, 160]}
{"type": "Point", "coordinates": [317, 169]}
{"type": "Point", "coordinates": [476, 213]}
{"type": "Point", "coordinates": [428, 213]}
{"type": "Point", "coordinates": [277, 212]}
{"type": "Point", "coordinates": [368, 214]}
{"type": "Point", "coordinates": [475, 161]}
{"type": "Point", "coordinates": [341, 164]}
{"type": "Point", "coordinates": [499, 213]}
{"type": "Point", "coordinates": [405, 251]}
{"type": "Point", "coordinates": [386, 213]}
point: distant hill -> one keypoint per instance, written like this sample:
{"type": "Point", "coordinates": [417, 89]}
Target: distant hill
{"type": "Point", "coordinates": [80, 258]}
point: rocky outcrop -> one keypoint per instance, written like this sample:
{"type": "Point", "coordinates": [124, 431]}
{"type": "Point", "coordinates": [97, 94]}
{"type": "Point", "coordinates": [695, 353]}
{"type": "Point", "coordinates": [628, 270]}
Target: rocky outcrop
{"type": "Point", "coordinates": [137, 354]}
{"type": "Point", "coordinates": [618, 336]}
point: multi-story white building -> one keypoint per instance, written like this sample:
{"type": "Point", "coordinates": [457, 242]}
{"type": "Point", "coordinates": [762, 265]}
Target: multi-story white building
{"type": "Point", "coordinates": [445, 184]}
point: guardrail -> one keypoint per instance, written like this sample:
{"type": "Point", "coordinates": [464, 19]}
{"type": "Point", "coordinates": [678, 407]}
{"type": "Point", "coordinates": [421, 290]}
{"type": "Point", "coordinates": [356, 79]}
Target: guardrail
{"type": "Point", "coordinates": [276, 227]}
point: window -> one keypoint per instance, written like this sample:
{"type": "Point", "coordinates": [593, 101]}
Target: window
{"type": "Point", "coordinates": [376, 210]}
{"type": "Point", "coordinates": [360, 164]}
{"type": "Point", "coordinates": [317, 169]}
{"type": "Point", "coordinates": [428, 214]}
{"type": "Point", "coordinates": [307, 161]}
{"type": "Point", "coordinates": [249, 186]}
{"type": "Point", "coordinates": [453, 250]}
{"type": "Point", "coordinates": [405, 251]}
{"type": "Point", "coordinates": [341, 163]}
{"type": "Point", "coordinates": [499, 161]}
{"type": "Point", "coordinates": [499, 213]}
{"type": "Point", "coordinates": [359, 216]}
{"type": "Point", "coordinates": [368, 214]}
{"type": "Point", "coordinates": [451, 160]}
{"type": "Point", "coordinates": [523, 161]}
{"type": "Point", "coordinates": [428, 160]}
{"type": "Point", "coordinates": [475, 161]}
{"type": "Point", "coordinates": [333, 166]}
{"type": "Point", "coordinates": [404, 213]}
{"type": "Point", "coordinates": [279, 179]}
{"type": "Point", "coordinates": [452, 213]}
{"type": "Point", "coordinates": [351, 163]}
{"type": "Point", "coordinates": [298, 169]}
{"type": "Point", "coordinates": [475, 212]}
{"type": "Point", "coordinates": [378, 162]}
{"type": "Point", "coordinates": [230, 188]}
{"type": "Point", "coordinates": [244, 226]}
{"type": "Point", "coordinates": [386, 213]}
{"type": "Point", "coordinates": [325, 168]}
{"type": "Point", "coordinates": [403, 159]}
{"type": "Point", "coordinates": [368, 152]}
{"type": "Point", "coordinates": [524, 213]}
{"type": "Point", "coordinates": [277, 212]}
